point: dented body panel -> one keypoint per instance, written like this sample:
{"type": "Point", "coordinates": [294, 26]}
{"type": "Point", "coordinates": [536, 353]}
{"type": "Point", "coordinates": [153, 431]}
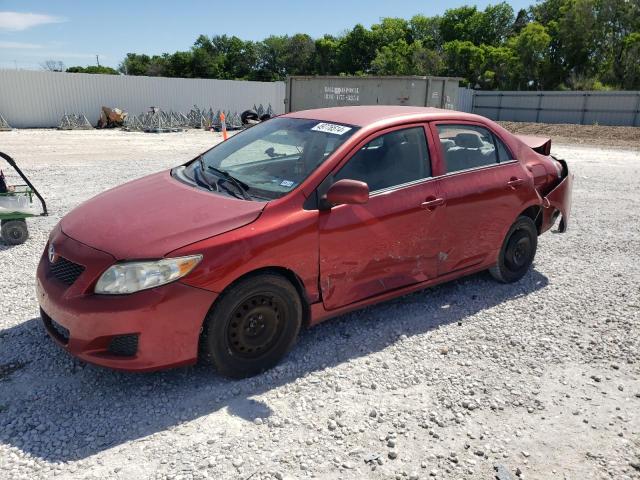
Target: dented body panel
{"type": "Point", "coordinates": [558, 200]}
{"type": "Point", "coordinates": [540, 145]}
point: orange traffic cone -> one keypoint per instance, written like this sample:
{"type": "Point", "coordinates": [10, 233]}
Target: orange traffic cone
{"type": "Point", "coordinates": [223, 124]}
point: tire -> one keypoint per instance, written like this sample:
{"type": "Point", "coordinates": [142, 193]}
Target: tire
{"type": "Point", "coordinates": [517, 252]}
{"type": "Point", "coordinates": [249, 115]}
{"type": "Point", "coordinates": [14, 232]}
{"type": "Point", "coordinates": [252, 326]}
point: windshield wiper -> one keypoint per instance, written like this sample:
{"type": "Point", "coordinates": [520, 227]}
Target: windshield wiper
{"type": "Point", "coordinates": [201, 180]}
{"type": "Point", "coordinates": [239, 184]}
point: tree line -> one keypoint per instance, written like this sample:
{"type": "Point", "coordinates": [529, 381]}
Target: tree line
{"type": "Point", "coordinates": [554, 44]}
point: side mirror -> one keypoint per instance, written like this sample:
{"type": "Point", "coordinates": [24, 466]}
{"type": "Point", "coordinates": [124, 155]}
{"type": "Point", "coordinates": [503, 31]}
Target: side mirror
{"type": "Point", "coordinates": [349, 192]}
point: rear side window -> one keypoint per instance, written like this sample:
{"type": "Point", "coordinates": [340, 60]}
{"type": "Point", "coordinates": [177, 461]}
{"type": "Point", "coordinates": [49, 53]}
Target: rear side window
{"type": "Point", "coordinates": [394, 158]}
{"type": "Point", "coordinates": [466, 147]}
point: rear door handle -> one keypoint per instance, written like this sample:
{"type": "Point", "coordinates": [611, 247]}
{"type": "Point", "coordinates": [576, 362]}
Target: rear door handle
{"type": "Point", "coordinates": [432, 203]}
{"type": "Point", "coordinates": [515, 182]}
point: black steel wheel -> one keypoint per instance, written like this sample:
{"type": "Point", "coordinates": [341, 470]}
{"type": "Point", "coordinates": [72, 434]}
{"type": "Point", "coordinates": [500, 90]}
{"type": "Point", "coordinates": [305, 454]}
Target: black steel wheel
{"type": "Point", "coordinates": [256, 325]}
{"type": "Point", "coordinates": [517, 252]}
{"type": "Point", "coordinates": [252, 325]}
{"type": "Point", "coordinates": [14, 232]}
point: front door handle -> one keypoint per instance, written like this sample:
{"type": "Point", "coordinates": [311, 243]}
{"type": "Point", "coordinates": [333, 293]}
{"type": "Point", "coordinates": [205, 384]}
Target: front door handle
{"type": "Point", "coordinates": [431, 203]}
{"type": "Point", "coordinates": [515, 182]}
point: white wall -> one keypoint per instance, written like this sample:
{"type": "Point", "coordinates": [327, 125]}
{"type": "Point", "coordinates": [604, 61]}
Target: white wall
{"type": "Point", "coordinates": [30, 99]}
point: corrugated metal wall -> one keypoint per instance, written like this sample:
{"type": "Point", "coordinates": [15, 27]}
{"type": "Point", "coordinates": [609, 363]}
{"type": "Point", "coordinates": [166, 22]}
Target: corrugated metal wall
{"type": "Point", "coordinates": [586, 108]}
{"type": "Point", "coordinates": [465, 100]}
{"type": "Point", "coordinates": [39, 99]}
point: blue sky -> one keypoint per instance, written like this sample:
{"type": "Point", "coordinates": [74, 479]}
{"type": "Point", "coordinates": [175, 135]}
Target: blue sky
{"type": "Point", "coordinates": [74, 31]}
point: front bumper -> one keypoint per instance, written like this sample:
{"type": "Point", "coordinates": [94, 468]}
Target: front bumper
{"type": "Point", "coordinates": [166, 320]}
{"type": "Point", "coordinates": [558, 201]}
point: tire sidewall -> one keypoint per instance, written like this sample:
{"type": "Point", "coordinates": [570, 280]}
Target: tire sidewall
{"type": "Point", "coordinates": [8, 226]}
{"type": "Point", "coordinates": [216, 344]}
{"type": "Point", "coordinates": [521, 224]}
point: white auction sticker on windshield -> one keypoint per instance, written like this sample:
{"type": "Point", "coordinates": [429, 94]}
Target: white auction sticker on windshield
{"type": "Point", "coordinates": [331, 128]}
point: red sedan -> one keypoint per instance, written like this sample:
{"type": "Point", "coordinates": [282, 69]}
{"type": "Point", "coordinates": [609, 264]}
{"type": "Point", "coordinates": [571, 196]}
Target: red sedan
{"type": "Point", "coordinates": [298, 219]}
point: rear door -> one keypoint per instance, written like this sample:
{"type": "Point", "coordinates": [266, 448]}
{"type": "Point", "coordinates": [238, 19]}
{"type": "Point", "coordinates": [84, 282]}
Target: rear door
{"type": "Point", "coordinates": [393, 240]}
{"type": "Point", "coordinates": [484, 189]}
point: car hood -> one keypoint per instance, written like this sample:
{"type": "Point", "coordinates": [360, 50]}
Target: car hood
{"type": "Point", "coordinates": [152, 216]}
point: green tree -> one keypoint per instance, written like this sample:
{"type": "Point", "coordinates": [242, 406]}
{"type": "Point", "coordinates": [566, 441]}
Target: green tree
{"type": "Point", "coordinates": [300, 54]}
{"type": "Point", "coordinates": [630, 62]}
{"type": "Point", "coordinates": [425, 60]}
{"type": "Point", "coordinates": [491, 27]}
{"type": "Point", "coordinates": [426, 30]}
{"type": "Point", "coordinates": [496, 24]}
{"type": "Point", "coordinates": [464, 59]}
{"type": "Point", "coordinates": [554, 44]}
{"type": "Point", "coordinates": [393, 59]}
{"type": "Point", "coordinates": [272, 53]}
{"type": "Point", "coordinates": [499, 68]}
{"type": "Point", "coordinates": [93, 69]}
{"type": "Point", "coordinates": [178, 64]}
{"type": "Point", "coordinates": [356, 51]}
{"type": "Point", "coordinates": [531, 46]}
{"type": "Point", "coordinates": [390, 30]}
{"type": "Point", "coordinates": [520, 22]}
{"type": "Point", "coordinates": [326, 56]}
{"type": "Point", "coordinates": [135, 64]}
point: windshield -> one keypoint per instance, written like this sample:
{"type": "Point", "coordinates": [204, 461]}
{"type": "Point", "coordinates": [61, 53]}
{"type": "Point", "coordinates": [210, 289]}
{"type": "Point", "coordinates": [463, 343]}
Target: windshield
{"type": "Point", "coordinates": [270, 159]}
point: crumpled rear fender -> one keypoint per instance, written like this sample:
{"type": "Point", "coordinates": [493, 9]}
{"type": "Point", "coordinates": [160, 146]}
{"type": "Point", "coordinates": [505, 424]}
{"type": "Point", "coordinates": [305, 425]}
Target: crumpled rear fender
{"type": "Point", "coordinates": [559, 200]}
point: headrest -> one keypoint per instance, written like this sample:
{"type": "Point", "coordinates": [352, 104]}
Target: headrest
{"type": "Point", "coordinates": [468, 140]}
{"type": "Point", "coordinates": [447, 144]}
{"type": "Point", "coordinates": [394, 139]}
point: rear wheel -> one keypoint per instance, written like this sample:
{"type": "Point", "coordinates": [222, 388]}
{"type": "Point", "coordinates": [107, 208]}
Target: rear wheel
{"type": "Point", "coordinates": [517, 252]}
{"type": "Point", "coordinates": [14, 232]}
{"type": "Point", "coordinates": [252, 326]}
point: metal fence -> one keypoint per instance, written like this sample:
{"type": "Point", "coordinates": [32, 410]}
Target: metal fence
{"type": "Point", "coordinates": [584, 108]}
{"type": "Point", "coordinates": [31, 99]}
{"type": "Point", "coordinates": [465, 100]}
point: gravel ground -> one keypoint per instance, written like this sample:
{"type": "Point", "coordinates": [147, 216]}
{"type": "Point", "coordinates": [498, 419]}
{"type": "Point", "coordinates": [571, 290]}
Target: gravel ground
{"type": "Point", "coordinates": [540, 378]}
{"type": "Point", "coordinates": [597, 135]}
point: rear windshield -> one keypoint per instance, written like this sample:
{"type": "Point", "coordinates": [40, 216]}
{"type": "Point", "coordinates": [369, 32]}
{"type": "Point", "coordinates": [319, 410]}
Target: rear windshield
{"type": "Point", "coordinates": [273, 157]}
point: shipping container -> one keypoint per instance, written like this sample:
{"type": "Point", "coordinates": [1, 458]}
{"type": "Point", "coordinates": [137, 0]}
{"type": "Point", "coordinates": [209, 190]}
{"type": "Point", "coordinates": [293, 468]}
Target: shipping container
{"type": "Point", "coordinates": [306, 92]}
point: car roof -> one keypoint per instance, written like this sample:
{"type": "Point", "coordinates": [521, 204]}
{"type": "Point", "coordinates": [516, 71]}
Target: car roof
{"type": "Point", "coordinates": [369, 114]}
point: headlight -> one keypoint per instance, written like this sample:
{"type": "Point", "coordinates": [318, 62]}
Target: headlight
{"type": "Point", "coordinates": [130, 277]}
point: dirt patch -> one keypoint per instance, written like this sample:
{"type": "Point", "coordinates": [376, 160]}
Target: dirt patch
{"type": "Point", "coordinates": [600, 135]}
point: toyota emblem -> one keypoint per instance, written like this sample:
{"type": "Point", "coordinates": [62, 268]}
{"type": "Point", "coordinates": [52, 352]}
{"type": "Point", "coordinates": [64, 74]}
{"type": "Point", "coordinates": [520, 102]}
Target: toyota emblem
{"type": "Point", "coordinates": [53, 257]}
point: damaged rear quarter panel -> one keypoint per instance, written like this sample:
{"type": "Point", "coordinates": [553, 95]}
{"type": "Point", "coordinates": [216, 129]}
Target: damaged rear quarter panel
{"type": "Point", "coordinates": [560, 199]}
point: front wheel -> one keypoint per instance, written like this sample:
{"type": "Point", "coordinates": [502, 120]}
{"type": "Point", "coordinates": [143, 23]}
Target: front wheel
{"type": "Point", "coordinates": [252, 326]}
{"type": "Point", "coordinates": [14, 232]}
{"type": "Point", "coordinates": [517, 252]}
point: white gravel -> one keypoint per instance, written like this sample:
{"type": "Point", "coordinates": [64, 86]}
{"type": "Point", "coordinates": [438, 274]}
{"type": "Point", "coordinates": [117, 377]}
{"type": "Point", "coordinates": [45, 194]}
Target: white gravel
{"type": "Point", "coordinates": [541, 378]}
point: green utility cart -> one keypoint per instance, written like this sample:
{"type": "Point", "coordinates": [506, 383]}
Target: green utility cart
{"type": "Point", "coordinates": [16, 205]}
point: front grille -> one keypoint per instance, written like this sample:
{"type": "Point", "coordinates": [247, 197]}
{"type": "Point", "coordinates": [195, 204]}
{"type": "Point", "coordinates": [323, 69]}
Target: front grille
{"type": "Point", "coordinates": [65, 270]}
{"type": "Point", "coordinates": [124, 345]}
{"type": "Point", "coordinates": [54, 328]}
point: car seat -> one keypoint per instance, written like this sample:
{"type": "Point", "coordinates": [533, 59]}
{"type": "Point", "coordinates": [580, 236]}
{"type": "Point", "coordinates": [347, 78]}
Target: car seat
{"type": "Point", "coordinates": [469, 152]}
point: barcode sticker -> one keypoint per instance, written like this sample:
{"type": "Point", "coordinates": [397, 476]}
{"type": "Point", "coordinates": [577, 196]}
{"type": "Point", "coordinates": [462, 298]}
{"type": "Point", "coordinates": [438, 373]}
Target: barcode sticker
{"type": "Point", "coordinates": [331, 128]}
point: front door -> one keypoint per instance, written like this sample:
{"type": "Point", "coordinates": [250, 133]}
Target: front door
{"type": "Point", "coordinates": [484, 191]}
{"type": "Point", "coordinates": [393, 240]}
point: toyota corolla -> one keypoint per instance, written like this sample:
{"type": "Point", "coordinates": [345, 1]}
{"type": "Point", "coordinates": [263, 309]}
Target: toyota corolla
{"type": "Point", "coordinates": [290, 222]}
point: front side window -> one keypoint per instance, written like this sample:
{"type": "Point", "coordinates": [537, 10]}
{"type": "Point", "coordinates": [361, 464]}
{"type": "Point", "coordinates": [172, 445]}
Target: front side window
{"type": "Point", "coordinates": [466, 146]}
{"type": "Point", "coordinates": [391, 159]}
{"type": "Point", "coordinates": [270, 159]}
